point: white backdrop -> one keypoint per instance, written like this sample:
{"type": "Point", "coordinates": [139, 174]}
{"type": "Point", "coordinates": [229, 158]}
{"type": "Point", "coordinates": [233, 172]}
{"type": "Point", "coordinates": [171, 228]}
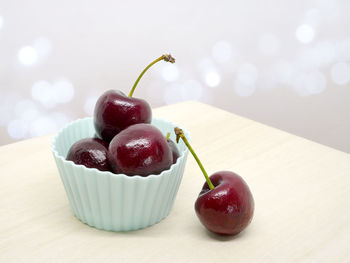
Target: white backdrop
{"type": "Point", "coordinates": [283, 63]}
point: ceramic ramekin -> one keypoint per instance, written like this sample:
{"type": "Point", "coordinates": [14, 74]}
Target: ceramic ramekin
{"type": "Point", "coordinates": [116, 202]}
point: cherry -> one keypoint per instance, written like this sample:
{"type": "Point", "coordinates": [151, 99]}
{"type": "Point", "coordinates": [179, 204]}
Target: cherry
{"type": "Point", "coordinates": [114, 111]}
{"type": "Point", "coordinates": [225, 205]}
{"type": "Point", "coordinates": [91, 152]}
{"type": "Point", "coordinates": [141, 150]}
{"type": "Point", "coordinates": [228, 208]}
{"type": "Point", "coordinates": [173, 147]}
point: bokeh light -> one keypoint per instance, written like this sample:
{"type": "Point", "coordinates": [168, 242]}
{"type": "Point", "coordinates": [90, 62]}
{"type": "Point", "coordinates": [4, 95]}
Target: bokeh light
{"type": "Point", "coordinates": [305, 54]}
{"type": "Point", "coordinates": [42, 126]}
{"type": "Point", "coordinates": [26, 110]}
{"type": "Point", "coordinates": [43, 92]}
{"type": "Point", "coordinates": [31, 54]}
{"type": "Point", "coordinates": [17, 129]}
{"type": "Point", "coordinates": [49, 95]}
{"type": "Point", "coordinates": [213, 79]}
{"type": "Point", "coordinates": [315, 56]}
{"type": "Point", "coordinates": [305, 33]}
{"type": "Point", "coordinates": [340, 73]}
{"type": "Point", "coordinates": [27, 55]}
{"type": "Point", "coordinates": [313, 82]}
{"type": "Point", "coordinates": [63, 91]}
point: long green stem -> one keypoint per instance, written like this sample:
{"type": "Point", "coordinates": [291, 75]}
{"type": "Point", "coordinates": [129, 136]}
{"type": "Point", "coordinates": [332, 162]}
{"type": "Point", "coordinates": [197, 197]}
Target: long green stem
{"type": "Point", "coordinates": [179, 134]}
{"type": "Point", "coordinates": [167, 58]}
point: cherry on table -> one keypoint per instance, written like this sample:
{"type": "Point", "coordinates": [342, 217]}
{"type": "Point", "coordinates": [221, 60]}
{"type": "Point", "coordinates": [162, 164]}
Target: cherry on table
{"type": "Point", "coordinates": [228, 208]}
{"type": "Point", "coordinates": [225, 205]}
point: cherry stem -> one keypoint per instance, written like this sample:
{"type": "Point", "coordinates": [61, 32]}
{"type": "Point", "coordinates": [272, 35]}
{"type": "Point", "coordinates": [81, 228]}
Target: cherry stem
{"type": "Point", "coordinates": [167, 58]}
{"type": "Point", "coordinates": [179, 134]}
{"type": "Point", "coordinates": [167, 136]}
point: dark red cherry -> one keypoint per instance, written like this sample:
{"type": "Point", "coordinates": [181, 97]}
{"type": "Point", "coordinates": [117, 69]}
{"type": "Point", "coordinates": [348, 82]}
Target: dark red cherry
{"type": "Point", "coordinates": [114, 111]}
{"type": "Point", "coordinates": [228, 208]}
{"type": "Point", "coordinates": [90, 152]}
{"type": "Point", "coordinates": [140, 149]}
{"type": "Point", "coordinates": [225, 205]}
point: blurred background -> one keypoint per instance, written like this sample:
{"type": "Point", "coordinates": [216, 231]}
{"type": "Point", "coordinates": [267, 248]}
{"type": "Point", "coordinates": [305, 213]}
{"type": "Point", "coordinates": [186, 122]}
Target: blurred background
{"type": "Point", "coordinates": [282, 63]}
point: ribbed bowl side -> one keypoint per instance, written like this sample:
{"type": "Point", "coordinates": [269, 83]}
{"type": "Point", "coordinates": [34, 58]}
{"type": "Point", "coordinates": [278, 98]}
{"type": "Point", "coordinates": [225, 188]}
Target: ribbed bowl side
{"type": "Point", "coordinates": [114, 201]}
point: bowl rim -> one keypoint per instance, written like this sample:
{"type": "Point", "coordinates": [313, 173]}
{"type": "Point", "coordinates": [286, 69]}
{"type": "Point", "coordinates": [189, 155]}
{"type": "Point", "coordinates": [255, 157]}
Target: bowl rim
{"type": "Point", "coordinates": [54, 150]}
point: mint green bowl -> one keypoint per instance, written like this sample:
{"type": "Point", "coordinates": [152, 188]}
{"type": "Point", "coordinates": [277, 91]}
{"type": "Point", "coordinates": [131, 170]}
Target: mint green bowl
{"type": "Point", "coordinates": [116, 202]}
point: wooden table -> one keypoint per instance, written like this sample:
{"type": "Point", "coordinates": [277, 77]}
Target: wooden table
{"type": "Point", "coordinates": [301, 191]}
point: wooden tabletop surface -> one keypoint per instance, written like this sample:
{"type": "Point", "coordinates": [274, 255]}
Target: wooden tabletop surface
{"type": "Point", "coordinates": [301, 191]}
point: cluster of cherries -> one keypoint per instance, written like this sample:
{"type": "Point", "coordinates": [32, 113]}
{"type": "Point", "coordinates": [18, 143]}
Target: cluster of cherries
{"type": "Point", "coordinates": [127, 143]}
